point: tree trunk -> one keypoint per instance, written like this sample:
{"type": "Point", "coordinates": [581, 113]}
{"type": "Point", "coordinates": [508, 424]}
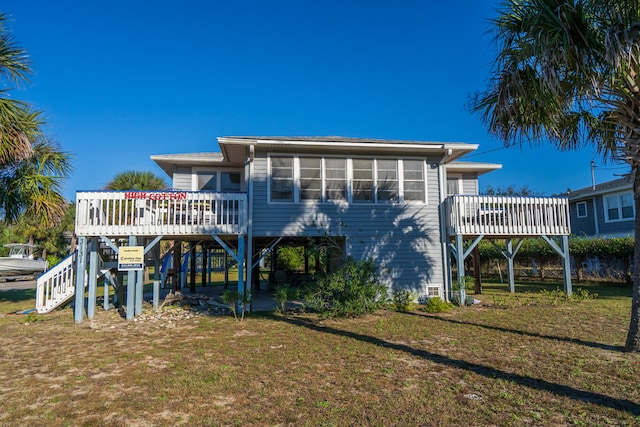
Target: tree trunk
{"type": "Point", "coordinates": [633, 337]}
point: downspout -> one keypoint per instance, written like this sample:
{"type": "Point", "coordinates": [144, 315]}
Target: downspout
{"type": "Point", "coordinates": [595, 217]}
{"type": "Point", "coordinates": [249, 187]}
{"type": "Point", "coordinates": [444, 238]}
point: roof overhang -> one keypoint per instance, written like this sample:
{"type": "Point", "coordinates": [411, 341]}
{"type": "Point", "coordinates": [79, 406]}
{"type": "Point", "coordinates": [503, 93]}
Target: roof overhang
{"type": "Point", "coordinates": [585, 194]}
{"type": "Point", "coordinates": [471, 167]}
{"type": "Point", "coordinates": [237, 149]}
{"type": "Point", "coordinates": [169, 162]}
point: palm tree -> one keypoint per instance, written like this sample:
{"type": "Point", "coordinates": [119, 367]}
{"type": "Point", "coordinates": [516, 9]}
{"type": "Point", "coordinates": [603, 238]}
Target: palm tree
{"type": "Point", "coordinates": [136, 180]}
{"type": "Point", "coordinates": [567, 72]}
{"type": "Point", "coordinates": [32, 168]}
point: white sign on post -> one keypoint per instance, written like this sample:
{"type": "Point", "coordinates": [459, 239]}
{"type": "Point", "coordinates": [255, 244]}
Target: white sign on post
{"type": "Point", "coordinates": [130, 258]}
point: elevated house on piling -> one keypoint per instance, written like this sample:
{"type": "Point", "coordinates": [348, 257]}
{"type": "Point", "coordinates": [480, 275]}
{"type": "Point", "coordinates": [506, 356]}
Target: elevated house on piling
{"type": "Point", "coordinates": [412, 207]}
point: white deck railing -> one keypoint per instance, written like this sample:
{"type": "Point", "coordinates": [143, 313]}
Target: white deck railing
{"type": "Point", "coordinates": [504, 216]}
{"type": "Point", "coordinates": [149, 213]}
{"type": "Point", "coordinates": [56, 286]}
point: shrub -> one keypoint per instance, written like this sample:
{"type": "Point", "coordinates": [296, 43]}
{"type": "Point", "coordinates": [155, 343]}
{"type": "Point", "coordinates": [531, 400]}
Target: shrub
{"type": "Point", "coordinates": [437, 305]}
{"type": "Point", "coordinates": [232, 297]}
{"type": "Point", "coordinates": [353, 290]}
{"type": "Point", "coordinates": [284, 294]}
{"type": "Point", "coordinates": [401, 300]}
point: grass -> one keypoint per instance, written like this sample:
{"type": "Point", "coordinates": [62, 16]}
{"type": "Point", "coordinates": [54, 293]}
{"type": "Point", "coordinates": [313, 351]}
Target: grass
{"type": "Point", "coordinates": [532, 364]}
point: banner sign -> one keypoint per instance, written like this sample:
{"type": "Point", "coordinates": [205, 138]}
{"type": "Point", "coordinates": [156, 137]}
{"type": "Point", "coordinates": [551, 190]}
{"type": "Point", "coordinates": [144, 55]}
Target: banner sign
{"type": "Point", "coordinates": [172, 195]}
{"type": "Point", "coordinates": [130, 258]}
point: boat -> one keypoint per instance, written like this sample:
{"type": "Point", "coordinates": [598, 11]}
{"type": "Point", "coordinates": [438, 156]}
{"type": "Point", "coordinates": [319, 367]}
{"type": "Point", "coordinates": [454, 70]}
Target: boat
{"type": "Point", "coordinates": [20, 261]}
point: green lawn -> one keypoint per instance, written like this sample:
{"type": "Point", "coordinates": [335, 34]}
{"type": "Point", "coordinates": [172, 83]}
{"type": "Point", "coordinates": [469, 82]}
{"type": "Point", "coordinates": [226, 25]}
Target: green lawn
{"type": "Point", "coordinates": [530, 363]}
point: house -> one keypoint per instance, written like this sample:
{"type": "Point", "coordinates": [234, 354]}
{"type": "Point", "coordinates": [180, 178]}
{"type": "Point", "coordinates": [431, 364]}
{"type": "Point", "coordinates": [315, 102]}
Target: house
{"type": "Point", "coordinates": [603, 210]}
{"type": "Point", "coordinates": [412, 207]}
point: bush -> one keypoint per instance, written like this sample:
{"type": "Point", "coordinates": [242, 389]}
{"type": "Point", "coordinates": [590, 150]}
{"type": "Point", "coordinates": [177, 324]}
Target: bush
{"type": "Point", "coordinates": [401, 300]}
{"type": "Point", "coordinates": [284, 294]}
{"type": "Point", "coordinates": [353, 290]}
{"type": "Point", "coordinates": [437, 305]}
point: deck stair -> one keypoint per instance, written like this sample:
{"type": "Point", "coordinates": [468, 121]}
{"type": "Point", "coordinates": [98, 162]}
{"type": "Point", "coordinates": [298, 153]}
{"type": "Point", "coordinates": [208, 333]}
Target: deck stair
{"type": "Point", "coordinates": [57, 286]}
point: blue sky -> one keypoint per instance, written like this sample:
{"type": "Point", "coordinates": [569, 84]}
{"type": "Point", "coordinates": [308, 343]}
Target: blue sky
{"type": "Point", "coordinates": [119, 80]}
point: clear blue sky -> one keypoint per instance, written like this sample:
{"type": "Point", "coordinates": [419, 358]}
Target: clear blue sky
{"type": "Point", "coordinates": [120, 80]}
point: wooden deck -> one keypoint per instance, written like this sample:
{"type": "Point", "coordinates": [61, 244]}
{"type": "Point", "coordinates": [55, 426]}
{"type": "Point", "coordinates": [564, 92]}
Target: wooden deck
{"type": "Point", "coordinates": [155, 213]}
{"type": "Point", "coordinates": [506, 216]}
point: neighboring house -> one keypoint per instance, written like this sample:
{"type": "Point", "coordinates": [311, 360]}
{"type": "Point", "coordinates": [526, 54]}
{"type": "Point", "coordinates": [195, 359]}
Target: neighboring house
{"type": "Point", "coordinates": [603, 210]}
{"type": "Point", "coordinates": [410, 206]}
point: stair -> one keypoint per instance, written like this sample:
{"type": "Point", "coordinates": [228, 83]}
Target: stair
{"type": "Point", "coordinates": [56, 286]}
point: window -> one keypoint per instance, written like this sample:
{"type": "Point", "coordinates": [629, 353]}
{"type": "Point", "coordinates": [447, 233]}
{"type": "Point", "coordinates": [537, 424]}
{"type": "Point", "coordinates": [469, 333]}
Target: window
{"type": "Point", "coordinates": [311, 178]}
{"type": "Point", "coordinates": [230, 181]}
{"type": "Point", "coordinates": [413, 180]}
{"type": "Point", "coordinates": [356, 180]}
{"type": "Point", "coordinates": [282, 179]}
{"type": "Point", "coordinates": [363, 180]}
{"type": "Point", "coordinates": [453, 185]}
{"type": "Point", "coordinates": [387, 180]}
{"type": "Point", "coordinates": [581, 208]}
{"type": "Point", "coordinates": [207, 180]}
{"type": "Point", "coordinates": [336, 179]}
{"type": "Point", "coordinates": [619, 207]}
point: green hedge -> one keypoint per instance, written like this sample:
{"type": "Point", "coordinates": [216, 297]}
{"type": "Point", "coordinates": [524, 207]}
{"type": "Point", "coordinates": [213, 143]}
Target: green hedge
{"type": "Point", "coordinates": [580, 248]}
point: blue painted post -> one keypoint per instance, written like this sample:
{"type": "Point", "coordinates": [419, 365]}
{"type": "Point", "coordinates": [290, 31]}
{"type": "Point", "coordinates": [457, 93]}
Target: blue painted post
{"type": "Point", "coordinates": [241, 289]}
{"type": "Point", "coordinates": [131, 287]}
{"type": "Point", "coordinates": [512, 282]}
{"type": "Point", "coordinates": [81, 267]}
{"type": "Point", "coordinates": [566, 265]}
{"type": "Point", "coordinates": [105, 303]}
{"type": "Point", "coordinates": [139, 291]}
{"type": "Point", "coordinates": [93, 278]}
{"type": "Point", "coordinates": [156, 275]}
{"type": "Point", "coordinates": [462, 292]}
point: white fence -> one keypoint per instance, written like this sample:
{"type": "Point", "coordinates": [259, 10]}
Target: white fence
{"type": "Point", "coordinates": [505, 216]}
{"type": "Point", "coordinates": [140, 213]}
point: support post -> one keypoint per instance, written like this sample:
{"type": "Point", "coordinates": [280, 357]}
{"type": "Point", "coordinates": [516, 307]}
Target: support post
{"type": "Point", "coordinates": [156, 276]}
{"type": "Point", "coordinates": [566, 259]}
{"type": "Point", "coordinates": [203, 274]}
{"type": "Point", "coordinates": [107, 280]}
{"type": "Point", "coordinates": [566, 265]}
{"type": "Point", "coordinates": [241, 263]}
{"type": "Point", "coordinates": [139, 292]}
{"type": "Point", "coordinates": [177, 262]}
{"type": "Point", "coordinates": [476, 271]}
{"type": "Point", "coordinates": [81, 272]}
{"type": "Point", "coordinates": [192, 267]}
{"type": "Point", "coordinates": [460, 267]}
{"type": "Point", "coordinates": [131, 287]}
{"type": "Point", "coordinates": [93, 277]}
{"type": "Point", "coordinates": [512, 282]}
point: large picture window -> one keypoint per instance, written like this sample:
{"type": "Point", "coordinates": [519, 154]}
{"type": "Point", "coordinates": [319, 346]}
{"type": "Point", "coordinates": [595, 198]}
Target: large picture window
{"type": "Point", "coordinates": [619, 207]}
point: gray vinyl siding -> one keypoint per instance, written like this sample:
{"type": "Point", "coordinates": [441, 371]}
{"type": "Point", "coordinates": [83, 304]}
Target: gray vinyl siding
{"type": "Point", "coordinates": [182, 179]}
{"type": "Point", "coordinates": [469, 184]}
{"type": "Point", "coordinates": [404, 239]}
